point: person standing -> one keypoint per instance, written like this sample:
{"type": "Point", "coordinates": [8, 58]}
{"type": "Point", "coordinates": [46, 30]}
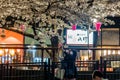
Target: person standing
{"type": "Point", "coordinates": [69, 64]}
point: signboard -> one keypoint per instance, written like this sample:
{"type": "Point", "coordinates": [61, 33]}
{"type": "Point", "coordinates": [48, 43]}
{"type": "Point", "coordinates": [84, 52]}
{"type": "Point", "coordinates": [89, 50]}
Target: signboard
{"type": "Point", "coordinates": [79, 37]}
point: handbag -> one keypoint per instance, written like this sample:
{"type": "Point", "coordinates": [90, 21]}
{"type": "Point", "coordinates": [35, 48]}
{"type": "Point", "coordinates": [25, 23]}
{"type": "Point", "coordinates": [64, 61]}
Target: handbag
{"type": "Point", "coordinates": [59, 73]}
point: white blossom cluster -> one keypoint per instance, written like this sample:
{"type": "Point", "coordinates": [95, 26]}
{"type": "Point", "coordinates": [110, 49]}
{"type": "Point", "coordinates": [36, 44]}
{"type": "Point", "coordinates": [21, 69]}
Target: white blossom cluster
{"type": "Point", "coordinates": [56, 14]}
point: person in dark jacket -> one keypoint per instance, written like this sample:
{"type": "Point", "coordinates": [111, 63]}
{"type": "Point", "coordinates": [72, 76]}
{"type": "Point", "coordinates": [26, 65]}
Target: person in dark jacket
{"type": "Point", "coordinates": [69, 64]}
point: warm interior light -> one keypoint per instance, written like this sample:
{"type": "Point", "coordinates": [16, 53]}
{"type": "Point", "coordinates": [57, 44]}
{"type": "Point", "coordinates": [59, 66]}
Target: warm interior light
{"type": "Point", "coordinates": [12, 52]}
{"type": "Point", "coordinates": [109, 52]}
{"type": "Point", "coordinates": [119, 52]}
{"type": "Point", "coordinates": [85, 58]}
{"type": "Point", "coordinates": [6, 50]}
{"type": "Point", "coordinates": [18, 50]}
{"type": "Point", "coordinates": [113, 52]}
{"type": "Point", "coordinates": [105, 53]}
{"type": "Point", "coordinates": [1, 52]}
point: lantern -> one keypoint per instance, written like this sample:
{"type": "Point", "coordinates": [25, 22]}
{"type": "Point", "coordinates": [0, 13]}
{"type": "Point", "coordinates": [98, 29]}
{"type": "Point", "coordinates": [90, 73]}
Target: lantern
{"type": "Point", "coordinates": [74, 27]}
{"type": "Point", "coordinates": [97, 26]}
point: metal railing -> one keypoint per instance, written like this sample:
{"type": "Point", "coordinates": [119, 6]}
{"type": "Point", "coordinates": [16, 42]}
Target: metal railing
{"type": "Point", "coordinates": [112, 69]}
{"type": "Point", "coordinates": [46, 71]}
{"type": "Point", "coordinates": [84, 69]}
{"type": "Point", "coordinates": [23, 71]}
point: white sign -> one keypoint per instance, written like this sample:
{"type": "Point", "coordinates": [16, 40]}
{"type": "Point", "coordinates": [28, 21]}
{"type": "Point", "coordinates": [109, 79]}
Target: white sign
{"type": "Point", "coordinates": [79, 37]}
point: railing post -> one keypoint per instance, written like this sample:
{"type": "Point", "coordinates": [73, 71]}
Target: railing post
{"type": "Point", "coordinates": [101, 63]}
{"type": "Point", "coordinates": [53, 52]}
{"type": "Point", "coordinates": [104, 73]}
{"type": "Point", "coordinates": [49, 69]}
{"type": "Point", "coordinates": [11, 72]}
{"type": "Point", "coordinates": [1, 71]}
{"type": "Point", "coordinates": [97, 65]}
{"type": "Point", "coordinates": [42, 56]}
{"type": "Point", "coordinates": [53, 67]}
{"type": "Point", "coordinates": [7, 71]}
{"type": "Point", "coordinates": [45, 70]}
